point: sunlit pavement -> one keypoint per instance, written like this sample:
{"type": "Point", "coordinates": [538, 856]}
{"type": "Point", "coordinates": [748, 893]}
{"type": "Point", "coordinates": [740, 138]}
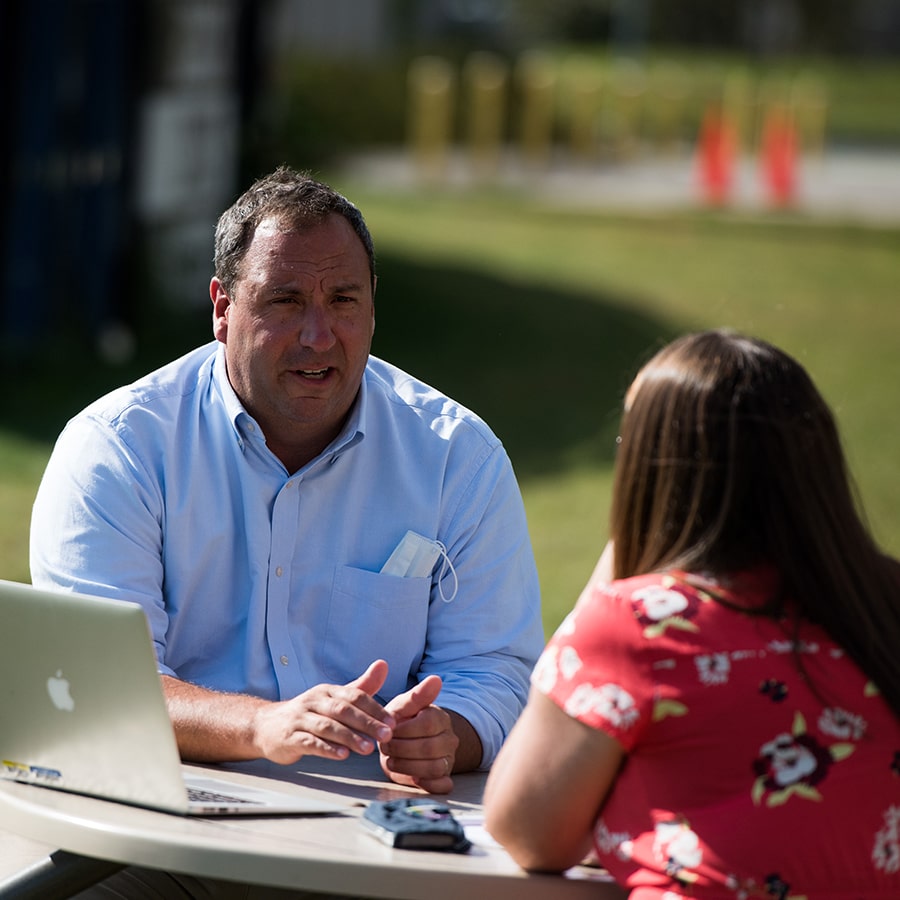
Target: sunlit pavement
{"type": "Point", "coordinates": [844, 185]}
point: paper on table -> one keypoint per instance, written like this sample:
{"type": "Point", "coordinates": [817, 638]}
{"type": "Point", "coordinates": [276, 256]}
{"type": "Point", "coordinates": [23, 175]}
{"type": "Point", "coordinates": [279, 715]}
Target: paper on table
{"type": "Point", "coordinates": [473, 825]}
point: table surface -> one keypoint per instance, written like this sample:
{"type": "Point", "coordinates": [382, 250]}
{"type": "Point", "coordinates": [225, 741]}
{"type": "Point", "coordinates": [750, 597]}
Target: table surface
{"type": "Point", "coordinates": [326, 853]}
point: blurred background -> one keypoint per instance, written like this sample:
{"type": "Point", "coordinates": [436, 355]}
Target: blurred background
{"type": "Point", "coordinates": [554, 190]}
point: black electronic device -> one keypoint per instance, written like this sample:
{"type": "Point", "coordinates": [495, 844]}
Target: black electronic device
{"type": "Point", "coordinates": [413, 823]}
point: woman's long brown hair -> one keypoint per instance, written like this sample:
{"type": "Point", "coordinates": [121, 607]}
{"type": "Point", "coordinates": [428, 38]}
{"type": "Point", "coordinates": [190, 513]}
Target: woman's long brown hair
{"type": "Point", "coordinates": [730, 458]}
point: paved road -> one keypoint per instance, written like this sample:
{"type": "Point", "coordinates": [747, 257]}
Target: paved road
{"type": "Point", "coordinates": [843, 185]}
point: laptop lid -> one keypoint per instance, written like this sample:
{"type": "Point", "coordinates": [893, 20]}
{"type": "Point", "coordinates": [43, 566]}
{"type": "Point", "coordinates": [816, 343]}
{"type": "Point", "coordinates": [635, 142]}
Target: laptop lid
{"type": "Point", "coordinates": [82, 709]}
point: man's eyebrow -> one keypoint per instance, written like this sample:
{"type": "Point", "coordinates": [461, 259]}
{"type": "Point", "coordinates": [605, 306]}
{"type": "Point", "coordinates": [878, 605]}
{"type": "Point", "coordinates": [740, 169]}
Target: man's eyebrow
{"type": "Point", "coordinates": [348, 287]}
{"type": "Point", "coordinates": [294, 287]}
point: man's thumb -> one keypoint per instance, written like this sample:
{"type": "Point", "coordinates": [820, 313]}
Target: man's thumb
{"type": "Point", "coordinates": [405, 706]}
{"type": "Point", "coordinates": [373, 678]}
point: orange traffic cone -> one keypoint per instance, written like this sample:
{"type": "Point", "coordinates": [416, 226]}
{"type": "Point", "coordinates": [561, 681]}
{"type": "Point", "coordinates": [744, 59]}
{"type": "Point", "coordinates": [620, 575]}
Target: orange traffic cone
{"type": "Point", "coordinates": [778, 151]}
{"type": "Point", "coordinates": [716, 151]}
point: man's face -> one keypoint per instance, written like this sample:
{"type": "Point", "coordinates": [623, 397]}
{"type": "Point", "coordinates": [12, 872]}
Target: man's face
{"type": "Point", "coordinates": [297, 332]}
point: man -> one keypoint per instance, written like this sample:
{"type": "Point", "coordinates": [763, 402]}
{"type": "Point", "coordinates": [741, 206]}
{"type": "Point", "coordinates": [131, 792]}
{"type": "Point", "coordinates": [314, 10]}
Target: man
{"type": "Point", "coordinates": [249, 493]}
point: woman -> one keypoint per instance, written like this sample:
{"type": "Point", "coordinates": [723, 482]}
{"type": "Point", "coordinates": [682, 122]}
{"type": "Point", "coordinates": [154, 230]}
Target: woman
{"type": "Point", "coordinates": [723, 719]}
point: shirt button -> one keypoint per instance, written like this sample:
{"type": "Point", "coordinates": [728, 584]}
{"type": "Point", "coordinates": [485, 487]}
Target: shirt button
{"type": "Point", "coordinates": [279, 571]}
{"type": "Point", "coordinates": [284, 660]}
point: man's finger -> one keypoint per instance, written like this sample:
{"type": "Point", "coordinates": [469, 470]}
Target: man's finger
{"type": "Point", "coordinates": [372, 680]}
{"type": "Point", "coordinates": [432, 775]}
{"type": "Point", "coordinates": [409, 704]}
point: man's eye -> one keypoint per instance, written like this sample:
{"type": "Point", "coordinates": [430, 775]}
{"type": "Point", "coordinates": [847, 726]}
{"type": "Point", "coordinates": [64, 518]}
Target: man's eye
{"type": "Point", "coordinates": [342, 298]}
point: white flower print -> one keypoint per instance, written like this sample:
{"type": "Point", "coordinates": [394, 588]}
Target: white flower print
{"type": "Point", "coordinates": [713, 668]}
{"type": "Point", "coordinates": [789, 761]}
{"type": "Point", "coordinates": [793, 765]}
{"type": "Point", "coordinates": [786, 646]}
{"type": "Point", "coordinates": [886, 852]}
{"type": "Point", "coordinates": [609, 701]}
{"type": "Point", "coordinates": [685, 850]}
{"type": "Point", "coordinates": [618, 842]}
{"type": "Point", "coordinates": [676, 844]}
{"type": "Point", "coordinates": [660, 603]}
{"type": "Point", "coordinates": [842, 724]}
{"type": "Point", "coordinates": [569, 662]}
{"type": "Point", "coordinates": [545, 671]}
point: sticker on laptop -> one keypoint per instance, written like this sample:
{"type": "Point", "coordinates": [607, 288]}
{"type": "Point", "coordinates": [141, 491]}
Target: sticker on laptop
{"type": "Point", "coordinates": [34, 774]}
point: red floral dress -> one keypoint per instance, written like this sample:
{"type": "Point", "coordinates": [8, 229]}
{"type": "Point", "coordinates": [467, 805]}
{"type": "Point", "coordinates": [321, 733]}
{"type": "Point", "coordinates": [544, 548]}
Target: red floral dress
{"type": "Point", "coordinates": [747, 773]}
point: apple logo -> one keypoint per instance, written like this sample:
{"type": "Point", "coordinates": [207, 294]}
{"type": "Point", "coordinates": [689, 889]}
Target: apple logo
{"type": "Point", "coordinates": [58, 689]}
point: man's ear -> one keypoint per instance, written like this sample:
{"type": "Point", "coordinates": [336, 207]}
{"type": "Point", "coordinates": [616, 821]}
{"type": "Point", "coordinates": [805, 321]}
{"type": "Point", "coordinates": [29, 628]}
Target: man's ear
{"type": "Point", "coordinates": [220, 301]}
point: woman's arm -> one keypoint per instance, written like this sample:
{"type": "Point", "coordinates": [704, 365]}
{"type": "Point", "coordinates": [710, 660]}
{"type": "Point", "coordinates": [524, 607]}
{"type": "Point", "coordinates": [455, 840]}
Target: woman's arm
{"type": "Point", "coordinates": [547, 785]}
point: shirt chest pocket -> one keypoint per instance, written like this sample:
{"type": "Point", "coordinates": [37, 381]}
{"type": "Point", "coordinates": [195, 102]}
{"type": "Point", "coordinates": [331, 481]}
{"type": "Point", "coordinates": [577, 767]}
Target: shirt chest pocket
{"type": "Point", "coordinates": [374, 616]}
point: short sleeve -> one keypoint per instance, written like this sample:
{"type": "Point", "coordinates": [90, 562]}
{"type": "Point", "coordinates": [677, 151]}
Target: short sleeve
{"type": "Point", "coordinates": [595, 667]}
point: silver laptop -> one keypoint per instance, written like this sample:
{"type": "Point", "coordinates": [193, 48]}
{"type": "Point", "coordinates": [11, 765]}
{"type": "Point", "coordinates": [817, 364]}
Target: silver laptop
{"type": "Point", "coordinates": [82, 710]}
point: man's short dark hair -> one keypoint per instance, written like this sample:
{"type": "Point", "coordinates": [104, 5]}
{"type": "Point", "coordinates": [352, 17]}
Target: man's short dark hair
{"type": "Point", "coordinates": [294, 198]}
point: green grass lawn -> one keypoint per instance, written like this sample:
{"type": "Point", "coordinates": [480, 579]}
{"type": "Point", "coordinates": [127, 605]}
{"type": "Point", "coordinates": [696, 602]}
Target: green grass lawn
{"type": "Point", "coordinates": [538, 320]}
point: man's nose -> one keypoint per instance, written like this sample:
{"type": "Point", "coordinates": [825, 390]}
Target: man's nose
{"type": "Point", "coordinates": [316, 331]}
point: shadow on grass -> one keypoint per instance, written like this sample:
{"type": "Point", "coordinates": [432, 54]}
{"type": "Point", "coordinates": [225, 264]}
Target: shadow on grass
{"type": "Point", "coordinates": [546, 368]}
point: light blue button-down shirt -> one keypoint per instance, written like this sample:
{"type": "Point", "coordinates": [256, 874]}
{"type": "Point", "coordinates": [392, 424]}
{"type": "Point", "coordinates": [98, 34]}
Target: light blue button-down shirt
{"type": "Point", "coordinates": [259, 580]}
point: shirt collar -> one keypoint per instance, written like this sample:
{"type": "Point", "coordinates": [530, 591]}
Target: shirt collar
{"type": "Point", "coordinates": [233, 406]}
{"type": "Point", "coordinates": [355, 427]}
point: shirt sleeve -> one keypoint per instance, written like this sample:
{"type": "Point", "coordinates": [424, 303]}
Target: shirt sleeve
{"type": "Point", "coordinates": [486, 640]}
{"type": "Point", "coordinates": [96, 523]}
{"type": "Point", "coordinates": [595, 667]}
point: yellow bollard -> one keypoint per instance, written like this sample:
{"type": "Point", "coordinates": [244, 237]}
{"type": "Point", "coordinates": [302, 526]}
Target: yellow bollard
{"type": "Point", "coordinates": [667, 106]}
{"type": "Point", "coordinates": [537, 107]}
{"type": "Point", "coordinates": [432, 88]}
{"type": "Point", "coordinates": [486, 77]}
{"type": "Point", "coordinates": [810, 106]}
{"type": "Point", "coordinates": [773, 93]}
{"type": "Point", "coordinates": [584, 96]}
{"type": "Point", "coordinates": [739, 106]}
{"type": "Point", "coordinates": [623, 108]}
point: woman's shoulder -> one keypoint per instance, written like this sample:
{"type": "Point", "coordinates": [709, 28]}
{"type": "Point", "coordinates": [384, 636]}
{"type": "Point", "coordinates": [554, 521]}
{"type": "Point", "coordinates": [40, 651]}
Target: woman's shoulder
{"type": "Point", "coordinates": [752, 590]}
{"type": "Point", "coordinates": [677, 610]}
{"type": "Point", "coordinates": [664, 589]}
{"type": "Point", "coordinates": [616, 613]}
